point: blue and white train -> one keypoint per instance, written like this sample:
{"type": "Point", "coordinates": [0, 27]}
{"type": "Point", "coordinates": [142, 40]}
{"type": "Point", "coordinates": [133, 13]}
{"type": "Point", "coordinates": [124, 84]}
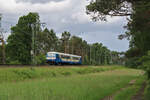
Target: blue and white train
{"type": "Point", "coordinates": [58, 58]}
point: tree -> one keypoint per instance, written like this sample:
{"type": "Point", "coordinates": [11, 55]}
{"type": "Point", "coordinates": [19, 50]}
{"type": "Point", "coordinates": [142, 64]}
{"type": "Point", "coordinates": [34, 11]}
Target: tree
{"type": "Point", "coordinates": [65, 41]}
{"type": "Point", "coordinates": [99, 9]}
{"type": "Point", "coordinates": [2, 48]}
{"type": "Point", "coordinates": [1, 55]}
{"type": "Point", "coordinates": [2, 41]}
{"type": "Point", "coordinates": [20, 41]}
{"type": "Point", "coordinates": [138, 28]}
{"type": "Point", "coordinates": [138, 24]}
{"type": "Point", "coordinates": [145, 63]}
{"type": "Point", "coordinates": [46, 41]}
{"type": "Point", "coordinates": [54, 40]}
{"type": "Point", "coordinates": [99, 54]}
{"type": "Point", "coordinates": [75, 45]}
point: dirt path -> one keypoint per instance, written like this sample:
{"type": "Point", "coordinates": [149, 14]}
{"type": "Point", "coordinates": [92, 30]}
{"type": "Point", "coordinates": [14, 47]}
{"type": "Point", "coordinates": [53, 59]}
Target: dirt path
{"type": "Point", "coordinates": [111, 97]}
{"type": "Point", "coordinates": [138, 96]}
{"type": "Point", "coordinates": [140, 93]}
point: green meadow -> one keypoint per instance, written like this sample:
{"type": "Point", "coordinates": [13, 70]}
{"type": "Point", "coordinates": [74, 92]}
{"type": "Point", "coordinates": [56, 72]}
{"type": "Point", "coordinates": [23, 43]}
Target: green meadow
{"type": "Point", "coordinates": [68, 83]}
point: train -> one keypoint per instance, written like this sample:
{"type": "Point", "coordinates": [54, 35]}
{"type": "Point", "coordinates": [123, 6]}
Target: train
{"type": "Point", "coordinates": [57, 58]}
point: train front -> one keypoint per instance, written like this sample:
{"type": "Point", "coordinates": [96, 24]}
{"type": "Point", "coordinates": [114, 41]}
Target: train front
{"type": "Point", "coordinates": [51, 58]}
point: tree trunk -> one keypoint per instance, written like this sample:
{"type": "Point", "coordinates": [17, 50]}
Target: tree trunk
{"type": "Point", "coordinates": [3, 50]}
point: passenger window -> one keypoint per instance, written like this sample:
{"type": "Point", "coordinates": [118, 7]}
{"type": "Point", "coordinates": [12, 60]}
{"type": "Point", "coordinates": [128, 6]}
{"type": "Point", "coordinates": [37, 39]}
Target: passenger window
{"type": "Point", "coordinates": [76, 58]}
{"type": "Point", "coordinates": [65, 57]}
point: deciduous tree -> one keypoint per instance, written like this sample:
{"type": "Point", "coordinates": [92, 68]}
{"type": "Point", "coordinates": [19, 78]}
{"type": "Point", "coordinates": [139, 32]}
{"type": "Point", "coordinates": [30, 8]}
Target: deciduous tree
{"type": "Point", "coordinates": [20, 41]}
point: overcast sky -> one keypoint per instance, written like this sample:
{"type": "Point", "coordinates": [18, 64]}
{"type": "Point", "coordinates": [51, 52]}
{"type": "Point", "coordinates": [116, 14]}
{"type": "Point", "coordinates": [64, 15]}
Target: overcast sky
{"type": "Point", "coordinates": [68, 15]}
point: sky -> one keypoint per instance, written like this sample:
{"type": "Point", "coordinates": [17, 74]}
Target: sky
{"type": "Point", "coordinates": [67, 15]}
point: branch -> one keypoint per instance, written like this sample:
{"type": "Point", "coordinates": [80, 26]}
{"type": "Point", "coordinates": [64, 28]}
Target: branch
{"type": "Point", "coordinates": [120, 14]}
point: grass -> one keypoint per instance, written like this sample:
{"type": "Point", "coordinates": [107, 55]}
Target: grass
{"type": "Point", "coordinates": [19, 74]}
{"type": "Point", "coordinates": [147, 91]}
{"type": "Point", "coordinates": [131, 90]}
{"type": "Point", "coordinates": [68, 83]}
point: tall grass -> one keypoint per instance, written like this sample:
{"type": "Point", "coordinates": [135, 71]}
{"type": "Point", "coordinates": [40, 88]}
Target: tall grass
{"type": "Point", "coordinates": [94, 86]}
{"type": "Point", "coordinates": [147, 91]}
{"type": "Point", "coordinates": [25, 73]}
{"type": "Point", "coordinates": [131, 90]}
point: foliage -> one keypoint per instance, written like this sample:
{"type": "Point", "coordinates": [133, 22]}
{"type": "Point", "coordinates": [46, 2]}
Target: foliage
{"type": "Point", "coordinates": [132, 62]}
{"type": "Point", "coordinates": [147, 91]}
{"type": "Point", "coordinates": [19, 42]}
{"type": "Point", "coordinates": [40, 59]}
{"type": "Point", "coordinates": [25, 74]}
{"type": "Point", "coordinates": [145, 63]}
{"type": "Point", "coordinates": [16, 62]}
{"type": "Point", "coordinates": [65, 41]}
{"type": "Point", "coordinates": [138, 33]}
{"type": "Point", "coordinates": [1, 55]}
{"type": "Point", "coordinates": [138, 28]}
{"type": "Point", "coordinates": [46, 41]}
{"type": "Point", "coordinates": [132, 52]}
{"type": "Point", "coordinates": [99, 9]}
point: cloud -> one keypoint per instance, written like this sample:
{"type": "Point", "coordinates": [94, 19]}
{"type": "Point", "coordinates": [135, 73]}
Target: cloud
{"type": "Point", "coordinates": [80, 17]}
{"type": "Point", "coordinates": [37, 1]}
{"type": "Point", "coordinates": [67, 15]}
{"type": "Point", "coordinates": [23, 7]}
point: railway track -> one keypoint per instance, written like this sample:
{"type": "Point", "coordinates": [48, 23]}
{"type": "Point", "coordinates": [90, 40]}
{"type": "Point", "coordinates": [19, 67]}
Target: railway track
{"type": "Point", "coordinates": [16, 65]}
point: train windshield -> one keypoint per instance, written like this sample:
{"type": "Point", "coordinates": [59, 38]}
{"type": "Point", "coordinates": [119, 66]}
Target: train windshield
{"type": "Point", "coordinates": [51, 56]}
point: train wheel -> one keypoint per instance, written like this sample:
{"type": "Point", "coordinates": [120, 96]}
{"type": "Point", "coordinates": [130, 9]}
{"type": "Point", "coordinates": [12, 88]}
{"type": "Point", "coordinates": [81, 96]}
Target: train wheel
{"type": "Point", "coordinates": [59, 64]}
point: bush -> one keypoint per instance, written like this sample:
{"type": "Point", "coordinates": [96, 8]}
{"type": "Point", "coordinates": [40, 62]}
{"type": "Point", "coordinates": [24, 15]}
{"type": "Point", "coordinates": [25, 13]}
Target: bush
{"type": "Point", "coordinates": [16, 62]}
{"type": "Point", "coordinates": [132, 62]}
{"type": "Point", "coordinates": [26, 74]}
{"type": "Point", "coordinates": [145, 63]}
{"type": "Point", "coordinates": [147, 91]}
{"type": "Point", "coordinates": [40, 59]}
{"type": "Point", "coordinates": [66, 73]}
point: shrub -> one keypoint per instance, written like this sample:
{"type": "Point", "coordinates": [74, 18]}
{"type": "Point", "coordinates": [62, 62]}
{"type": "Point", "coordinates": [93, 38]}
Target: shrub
{"type": "Point", "coordinates": [53, 74]}
{"type": "Point", "coordinates": [132, 62]}
{"type": "Point", "coordinates": [147, 91]}
{"type": "Point", "coordinates": [16, 62]}
{"type": "Point", "coordinates": [81, 72]}
{"type": "Point", "coordinates": [25, 74]}
{"type": "Point", "coordinates": [66, 73]}
{"type": "Point", "coordinates": [40, 59]}
{"type": "Point", "coordinates": [145, 63]}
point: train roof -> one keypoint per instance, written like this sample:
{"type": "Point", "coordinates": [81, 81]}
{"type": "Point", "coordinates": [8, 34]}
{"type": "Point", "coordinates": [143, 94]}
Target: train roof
{"type": "Point", "coordinates": [64, 54]}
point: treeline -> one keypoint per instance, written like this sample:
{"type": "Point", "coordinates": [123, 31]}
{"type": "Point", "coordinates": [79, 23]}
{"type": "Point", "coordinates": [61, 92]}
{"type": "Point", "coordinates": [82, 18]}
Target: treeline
{"type": "Point", "coordinates": [29, 41]}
